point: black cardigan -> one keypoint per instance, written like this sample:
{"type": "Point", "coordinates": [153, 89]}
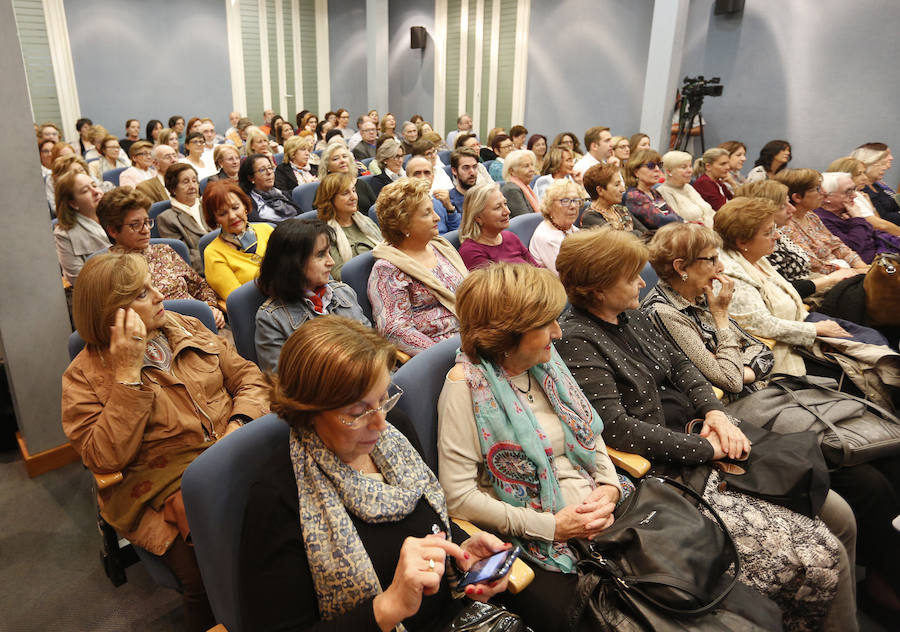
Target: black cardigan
{"type": "Point", "coordinates": [624, 392]}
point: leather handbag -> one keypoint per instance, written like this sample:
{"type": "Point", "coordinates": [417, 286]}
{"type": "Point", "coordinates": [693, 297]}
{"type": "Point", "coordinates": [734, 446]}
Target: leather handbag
{"type": "Point", "coordinates": [486, 617]}
{"type": "Point", "coordinates": [663, 566]}
{"type": "Point", "coordinates": [850, 430]}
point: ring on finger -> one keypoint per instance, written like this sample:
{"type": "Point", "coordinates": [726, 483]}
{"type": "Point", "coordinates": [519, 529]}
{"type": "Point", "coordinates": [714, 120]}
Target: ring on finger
{"type": "Point", "coordinates": [138, 338]}
{"type": "Point", "coordinates": [430, 564]}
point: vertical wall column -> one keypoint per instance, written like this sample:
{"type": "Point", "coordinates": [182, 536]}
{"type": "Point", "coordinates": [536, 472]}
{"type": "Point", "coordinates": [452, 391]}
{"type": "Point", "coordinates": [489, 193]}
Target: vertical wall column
{"type": "Point", "coordinates": [34, 324]}
{"type": "Point", "coordinates": [377, 52]}
{"type": "Point", "coordinates": [663, 69]}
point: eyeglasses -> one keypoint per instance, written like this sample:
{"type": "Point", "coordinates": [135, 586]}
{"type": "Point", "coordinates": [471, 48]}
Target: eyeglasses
{"type": "Point", "coordinates": [714, 260]}
{"type": "Point", "coordinates": [651, 165]}
{"type": "Point", "coordinates": [570, 201]}
{"type": "Point", "coordinates": [140, 224]}
{"type": "Point", "coordinates": [849, 191]}
{"type": "Point", "coordinates": [265, 170]}
{"type": "Point", "coordinates": [196, 141]}
{"type": "Point", "coordinates": [142, 154]}
{"type": "Point", "coordinates": [394, 393]}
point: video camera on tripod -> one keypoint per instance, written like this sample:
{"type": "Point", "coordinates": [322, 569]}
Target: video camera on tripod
{"type": "Point", "coordinates": [693, 91]}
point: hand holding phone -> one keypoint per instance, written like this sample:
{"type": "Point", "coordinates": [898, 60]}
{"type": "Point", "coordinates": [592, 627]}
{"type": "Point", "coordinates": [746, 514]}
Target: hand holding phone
{"type": "Point", "coordinates": [490, 569]}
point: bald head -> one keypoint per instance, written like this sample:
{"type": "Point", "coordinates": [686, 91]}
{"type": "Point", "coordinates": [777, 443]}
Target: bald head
{"type": "Point", "coordinates": [163, 158]}
{"type": "Point", "coordinates": [420, 167]}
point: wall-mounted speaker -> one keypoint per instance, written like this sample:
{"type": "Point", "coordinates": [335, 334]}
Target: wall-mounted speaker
{"type": "Point", "coordinates": [417, 37]}
{"type": "Point", "coordinates": [726, 7]}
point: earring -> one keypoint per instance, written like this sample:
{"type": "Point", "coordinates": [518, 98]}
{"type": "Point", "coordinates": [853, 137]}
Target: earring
{"type": "Point", "coordinates": [684, 276]}
{"type": "Point", "coordinates": [506, 354]}
{"type": "Point", "coordinates": [406, 234]}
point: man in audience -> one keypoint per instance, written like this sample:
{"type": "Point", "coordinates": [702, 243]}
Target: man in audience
{"type": "Point", "coordinates": [48, 131]}
{"type": "Point", "coordinates": [596, 141]}
{"type": "Point", "coordinates": [471, 141]}
{"type": "Point", "coordinates": [141, 164]}
{"type": "Point", "coordinates": [463, 126]}
{"type": "Point", "coordinates": [240, 135]}
{"type": "Point", "coordinates": [154, 188]}
{"type": "Point", "coordinates": [132, 135]}
{"type": "Point", "coordinates": [464, 166]}
{"type": "Point", "coordinates": [210, 140]}
{"type": "Point", "coordinates": [268, 115]}
{"type": "Point", "coordinates": [233, 119]}
{"type": "Point", "coordinates": [365, 148]}
{"type": "Point", "coordinates": [442, 182]}
{"type": "Point", "coordinates": [354, 140]}
{"type": "Point", "coordinates": [420, 167]}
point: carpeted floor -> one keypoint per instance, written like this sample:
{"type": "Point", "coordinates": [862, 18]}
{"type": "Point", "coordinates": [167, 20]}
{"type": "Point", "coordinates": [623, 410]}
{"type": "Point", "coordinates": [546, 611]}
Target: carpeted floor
{"type": "Point", "coordinates": [50, 571]}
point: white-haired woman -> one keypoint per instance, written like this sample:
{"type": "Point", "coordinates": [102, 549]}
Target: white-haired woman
{"type": "Point", "coordinates": [877, 158]}
{"type": "Point", "coordinates": [519, 167]}
{"type": "Point", "coordinates": [678, 192]}
{"type": "Point", "coordinates": [559, 207]}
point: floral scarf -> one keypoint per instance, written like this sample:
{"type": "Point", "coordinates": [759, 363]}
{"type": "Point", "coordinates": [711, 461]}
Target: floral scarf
{"type": "Point", "coordinates": [329, 490]}
{"type": "Point", "coordinates": [517, 453]}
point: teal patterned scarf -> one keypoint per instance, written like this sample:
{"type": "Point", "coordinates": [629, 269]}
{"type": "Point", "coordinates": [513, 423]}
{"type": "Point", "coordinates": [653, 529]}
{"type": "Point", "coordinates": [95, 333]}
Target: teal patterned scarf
{"type": "Point", "coordinates": [328, 489]}
{"type": "Point", "coordinates": [517, 453]}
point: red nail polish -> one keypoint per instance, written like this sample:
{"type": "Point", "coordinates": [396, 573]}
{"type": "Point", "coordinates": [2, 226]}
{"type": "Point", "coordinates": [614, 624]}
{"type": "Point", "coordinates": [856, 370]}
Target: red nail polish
{"type": "Point", "coordinates": [467, 556]}
{"type": "Point", "coordinates": [480, 590]}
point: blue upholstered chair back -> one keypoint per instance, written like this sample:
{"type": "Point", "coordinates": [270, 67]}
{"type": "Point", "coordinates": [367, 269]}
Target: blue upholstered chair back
{"type": "Point", "coordinates": [355, 273]}
{"type": "Point", "coordinates": [242, 304]}
{"type": "Point", "coordinates": [524, 226]}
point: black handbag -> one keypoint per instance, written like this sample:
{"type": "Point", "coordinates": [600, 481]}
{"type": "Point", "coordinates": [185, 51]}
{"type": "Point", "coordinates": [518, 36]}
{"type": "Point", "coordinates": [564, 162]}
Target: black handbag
{"type": "Point", "coordinates": [784, 469]}
{"type": "Point", "coordinates": [486, 617]}
{"type": "Point", "coordinates": [663, 566]}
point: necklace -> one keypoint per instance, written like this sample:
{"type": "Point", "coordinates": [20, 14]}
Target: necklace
{"type": "Point", "coordinates": [525, 392]}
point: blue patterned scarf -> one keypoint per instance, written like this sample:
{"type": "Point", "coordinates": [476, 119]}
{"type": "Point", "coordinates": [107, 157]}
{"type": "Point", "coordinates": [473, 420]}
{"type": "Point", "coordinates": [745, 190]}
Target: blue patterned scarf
{"type": "Point", "coordinates": [328, 489]}
{"type": "Point", "coordinates": [517, 452]}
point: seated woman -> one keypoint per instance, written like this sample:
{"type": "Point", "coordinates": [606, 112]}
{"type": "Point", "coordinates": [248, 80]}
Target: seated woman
{"type": "Point", "coordinates": [78, 233]}
{"type": "Point", "coordinates": [194, 144]}
{"type": "Point", "coordinates": [877, 158]}
{"type": "Point", "coordinates": [124, 409]}
{"type": "Point", "coordinates": [227, 159]}
{"type": "Point", "coordinates": [111, 157]}
{"type": "Point", "coordinates": [295, 276]}
{"type": "Point", "coordinates": [501, 145]}
{"type": "Point", "coordinates": [354, 233]}
{"type": "Point", "coordinates": [295, 169]}
{"type": "Point", "coordinates": [509, 386]}
{"type": "Point", "coordinates": [557, 166]}
{"type": "Point", "coordinates": [123, 214]}
{"type": "Point", "coordinates": [257, 178]}
{"type": "Point", "coordinates": [184, 220]}
{"type": "Point", "coordinates": [389, 157]}
{"type": "Point", "coordinates": [861, 204]}
{"type": "Point", "coordinates": [678, 192]}
{"type": "Point", "coordinates": [232, 258]}
{"type": "Point", "coordinates": [773, 157]}
{"type": "Point", "coordinates": [560, 207]}
{"type": "Point", "coordinates": [61, 166]}
{"type": "Point", "coordinates": [537, 144]}
{"type": "Point", "coordinates": [712, 170]}
{"type": "Point", "coordinates": [483, 234]}
{"type": "Point", "coordinates": [258, 143]}
{"type": "Point", "coordinates": [412, 286]}
{"type": "Point", "coordinates": [168, 136]}
{"type": "Point", "coordinates": [646, 391]}
{"type": "Point", "coordinates": [638, 142]}
{"type": "Point", "coordinates": [826, 252]}
{"type": "Point", "coordinates": [518, 171]}
{"type": "Point", "coordinates": [568, 140]}
{"type": "Point", "coordinates": [141, 165]}
{"type": "Point", "coordinates": [605, 187]}
{"type": "Point", "coordinates": [621, 149]}
{"type": "Point", "coordinates": [642, 173]}
{"type": "Point", "coordinates": [349, 484]}
{"type": "Point", "coordinates": [737, 156]}
{"type": "Point", "coordinates": [336, 158]}
{"type": "Point", "coordinates": [685, 307]}
{"type": "Point", "coordinates": [838, 192]}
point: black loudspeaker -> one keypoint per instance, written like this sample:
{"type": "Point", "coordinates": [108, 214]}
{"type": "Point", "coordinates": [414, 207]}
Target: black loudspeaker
{"type": "Point", "coordinates": [417, 37]}
{"type": "Point", "coordinates": [725, 7]}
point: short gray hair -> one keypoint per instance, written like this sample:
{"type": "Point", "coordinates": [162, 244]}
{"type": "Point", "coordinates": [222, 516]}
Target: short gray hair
{"type": "Point", "coordinates": [514, 160]}
{"type": "Point", "coordinates": [830, 180]}
{"type": "Point", "coordinates": [387, 150]}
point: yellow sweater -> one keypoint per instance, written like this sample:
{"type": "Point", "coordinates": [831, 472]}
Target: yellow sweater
{"type": "Point", "coordinates": [228, 268]}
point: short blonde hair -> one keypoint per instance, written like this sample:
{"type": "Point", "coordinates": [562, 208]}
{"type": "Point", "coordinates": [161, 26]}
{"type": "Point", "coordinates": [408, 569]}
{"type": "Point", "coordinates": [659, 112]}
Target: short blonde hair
{"type": "Point", "coordinates": [679, 240]}
{"type": "Point", "coordinates": [295, 143]}
{"type": "Point", "coordinates": [636, 160]}
{"type": "Point", "coordinates": [496, 305]}
{"type": "Point", "coordinates": [848, 164]}
{"type": "Point", "coordinates": [329, 187]}
{"type": "Point", "coordinates": [596, 259]}
{"type": "Point", "coordinates": [327, 363]}
{"type": "Point", "coordinates": [473, 205]}
{"type": "Point", "coordinates": [515, 159]}
{"type": "Point", "coordinates": [254, 134]}
{"type": "Point", "coordinates": [741, 218]}
{"type": "Point", "coordinates": [220, 151]}
{"type": "Point", "coordinates": [326, 158]}
{"type": "Point", "coordinates": [106, 283]}
{"type": "Point", "coordinates": [674, 159]}
{"type": "Point", "coordinates": [396, 202]}
{"type": "Point", "coordinates": [709, 156]}
{"type": "Point", "coordinates": [558, 190]}
{"type": "Point", "coordinates": [771, 190]}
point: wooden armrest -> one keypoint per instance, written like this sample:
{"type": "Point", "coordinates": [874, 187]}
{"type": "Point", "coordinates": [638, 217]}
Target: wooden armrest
{"type": "Point", "coordinates": [719, 392]}
{"type": "Point", "coordinates": [402, 357]}
{"type": "Point", "coordinates": [766, 341]}
{"type": "Point", "coordinates": [521, 574]}
{"type": "Point", "coordinates": [107, 480]}
{"type": "Point", "coordinates": [219, 628]}
{"type": "Point", "coordinates": [634, 464]}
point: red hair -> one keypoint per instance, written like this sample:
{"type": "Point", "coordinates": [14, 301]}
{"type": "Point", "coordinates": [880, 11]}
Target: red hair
{"type": "Point", "coordinates": [215, 196]}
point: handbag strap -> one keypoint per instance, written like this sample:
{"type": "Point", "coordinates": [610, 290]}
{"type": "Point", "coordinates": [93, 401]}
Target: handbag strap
{"type": "Point", "coordinates": [888, 415]}
{"type": "Point", "coordinates": [845, 448]}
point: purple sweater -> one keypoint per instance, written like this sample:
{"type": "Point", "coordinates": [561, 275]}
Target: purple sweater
{"type": "Point", "coordinates": [859, 235]}
{"type": "Point", "coordinates": [511, 250]}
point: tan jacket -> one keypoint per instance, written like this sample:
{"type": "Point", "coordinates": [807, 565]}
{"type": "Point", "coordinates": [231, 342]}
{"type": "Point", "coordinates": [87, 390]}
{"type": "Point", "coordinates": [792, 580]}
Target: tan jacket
{"type": "Point", "coordinates": [113, 426]}
{"type": "Point", "coordinates": [153, 189]}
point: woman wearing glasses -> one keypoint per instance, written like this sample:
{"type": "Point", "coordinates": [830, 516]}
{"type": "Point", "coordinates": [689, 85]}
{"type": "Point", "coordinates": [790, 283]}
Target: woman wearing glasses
{"type": "Point", "coordinates": [123, 214]}
{"type": "Point", "coordinates": [643, 172]}
{"type": "Point", "coordinates": [257, 178]}
{"type": "Point", "coordinates": [194, 145]}
{"type": "Point", "coordinates": [365, 497]}
{"type": "Point", "coordinates": [295, 276]}
{"type": "Point", "coordinates": [560, 207]}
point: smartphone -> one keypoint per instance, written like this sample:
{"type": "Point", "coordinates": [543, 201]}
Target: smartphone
{"type": "Point", "coordinates": [491, 568]}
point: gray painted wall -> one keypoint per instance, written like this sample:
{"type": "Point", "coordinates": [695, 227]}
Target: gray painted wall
{"type": "Point", "coordinates": [825, 80]}
{"type": "Point", "coordinates": [149, 60]}
{"type": "Point", "coordinates": [411, 80]}
{"type": "Point", "coordinates": [347, 49]}
{"type": "Point", "coordinates": [586, 65]}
